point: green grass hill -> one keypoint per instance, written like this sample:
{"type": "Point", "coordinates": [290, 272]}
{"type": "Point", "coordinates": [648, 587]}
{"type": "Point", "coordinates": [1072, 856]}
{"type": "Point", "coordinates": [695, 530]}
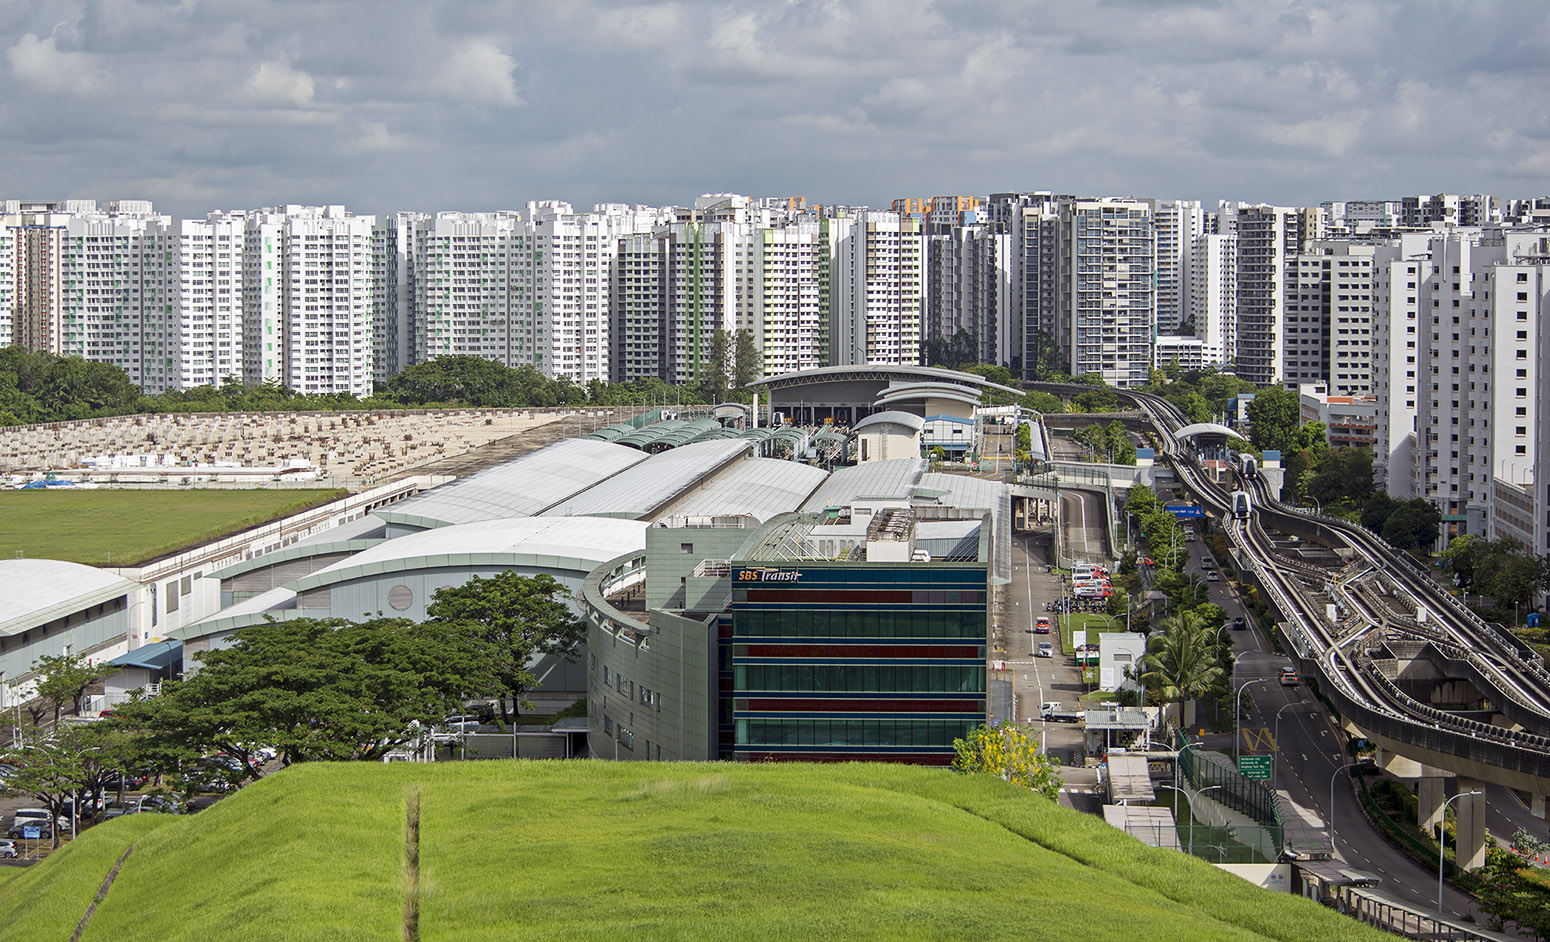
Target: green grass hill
{"type": "Point", "coordinates": [641, 851]}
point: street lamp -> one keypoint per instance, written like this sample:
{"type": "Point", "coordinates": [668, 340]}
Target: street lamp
{"type": "Point", "coordinates": [1237, 717]}
{"type": "Point", "coordinates": [1278, 730]}
{"type": "Point", "coordinates": [1191, 800]}
{"type": "Point", "coordinates": [1348, 765]}
{"type": "Point", "coordinates": [1318, 507]}
{"type": "Point", "coordinates": [1442, 843]}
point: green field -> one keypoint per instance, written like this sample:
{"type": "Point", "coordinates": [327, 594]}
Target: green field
{"type": "Point", "coordinates": [107, 527]}
{"type": "Point", "coordinates": [644, 851]}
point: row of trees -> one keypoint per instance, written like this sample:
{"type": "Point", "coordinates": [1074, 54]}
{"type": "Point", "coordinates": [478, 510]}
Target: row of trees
{"type": "Point", "coordinates": [39, 387]}
{"type": "Point", "coordinates": [308, 689]}
{"type": "Point", "coordinates": [1501, 569]}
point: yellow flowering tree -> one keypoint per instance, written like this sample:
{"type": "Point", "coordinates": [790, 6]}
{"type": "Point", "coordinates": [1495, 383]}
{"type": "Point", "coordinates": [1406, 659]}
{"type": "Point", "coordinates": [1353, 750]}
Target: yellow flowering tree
{"type": "Point", "coordinates": [1011, 752]}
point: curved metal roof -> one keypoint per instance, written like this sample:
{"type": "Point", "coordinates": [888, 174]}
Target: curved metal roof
{"type": "Point", "coordinates": [895, 478]}
{"type": "Point", "coordinates": [642, 489]}
{"type": "Point", "coordinates": [644, 436]}
{"type": "Point", "coordinates": [519, 488]}
{"type": "Point", "coordinates": [906, 419]}
{"type": "Point", "coordinates": [1205, 428]}
{"type": "Point", "coordinates": [580, 544]}
{"type": "Point", "coordinates": [613, 432]}
{"type": "Point", "coordinates": [685, 434]}
{"type": "Point", "coordinates": [920, 392]}
{"type": "Point", "coordinates": [878, 373]}
{"type": "Point", "coordinates": [758, 487]}
{"type": "Point", "coordinates": [40, 590]}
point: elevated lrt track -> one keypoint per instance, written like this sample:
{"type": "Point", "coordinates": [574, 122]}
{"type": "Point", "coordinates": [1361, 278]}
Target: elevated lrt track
{"type": "Point", "coordinates": [1387, 614]}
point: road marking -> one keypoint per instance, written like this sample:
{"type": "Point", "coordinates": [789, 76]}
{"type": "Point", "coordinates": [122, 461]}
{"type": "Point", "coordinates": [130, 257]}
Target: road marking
{"type": "Point", "coordinates": [1256, 739]}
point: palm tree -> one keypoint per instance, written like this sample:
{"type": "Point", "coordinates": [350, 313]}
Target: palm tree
{"type": "Point", "coordinates": [1182, 660]}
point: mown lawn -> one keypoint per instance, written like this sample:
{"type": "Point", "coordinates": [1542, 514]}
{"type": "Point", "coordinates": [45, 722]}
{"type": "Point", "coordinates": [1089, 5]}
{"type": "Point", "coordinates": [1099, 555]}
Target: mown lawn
{"type": "Point", "coordinates": [644, 851]}
{"type": "Point", "coordinates": [107, 527]}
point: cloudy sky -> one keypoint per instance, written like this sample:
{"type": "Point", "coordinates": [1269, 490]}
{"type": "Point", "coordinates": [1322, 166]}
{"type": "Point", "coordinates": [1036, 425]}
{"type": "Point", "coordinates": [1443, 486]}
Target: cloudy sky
{"type": "Point", "coordinates": [485, 104]}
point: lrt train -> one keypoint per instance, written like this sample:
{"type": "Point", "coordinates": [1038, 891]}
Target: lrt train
{"type": "Point", "coordinates": [1246, 465]}
{"type": "Point", "coordinates": [1242, 504]}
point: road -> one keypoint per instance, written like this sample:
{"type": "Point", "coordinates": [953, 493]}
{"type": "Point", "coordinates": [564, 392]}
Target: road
{"type": "Point", "coordinates": [1081, 521]}
{"type": "Point", "coordinates": [1035, 679]}
{"type": "Point", "coordinates": [1306, 746]}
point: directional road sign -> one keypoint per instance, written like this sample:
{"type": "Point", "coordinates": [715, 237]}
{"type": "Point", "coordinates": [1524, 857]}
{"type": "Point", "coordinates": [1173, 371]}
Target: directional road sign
{"type": "Point", "coordinates": [1183, 512]}
{"type": "Point", "coordinates": [1255, 768]}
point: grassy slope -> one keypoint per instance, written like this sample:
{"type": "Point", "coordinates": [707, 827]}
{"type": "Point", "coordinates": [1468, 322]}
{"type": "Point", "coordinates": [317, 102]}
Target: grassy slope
{"type": "Point", "coordinates": [592, 850]}
{"type": "Point", "coordinates": [46, 901]}
{"type": "Point", "coordinates": [131, 526]}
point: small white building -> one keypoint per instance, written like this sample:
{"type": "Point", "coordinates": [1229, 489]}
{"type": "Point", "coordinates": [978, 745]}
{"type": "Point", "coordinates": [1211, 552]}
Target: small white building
{"type": "Point", "coordinates": [889, 435]}
{"type": "Point", "coordinates": [1118, 651]}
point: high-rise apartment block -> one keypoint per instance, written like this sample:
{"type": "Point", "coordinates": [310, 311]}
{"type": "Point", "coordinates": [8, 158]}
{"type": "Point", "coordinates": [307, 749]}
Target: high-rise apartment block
{"type": "Point", "coordinates": [1328, 319]}
{"type": "Point", "coordinates": [1178, 223]}
{"type": "Point", "coordinates": [1213, 295]}
{"type": "Point", "coordinates": [876, 264]}
{"type": "Point", "coordinates": [1269, 238]}
{"type": "Point", "coordinates": [1106, 294]}
{"type": "Point", "coordinates": [970, 289]}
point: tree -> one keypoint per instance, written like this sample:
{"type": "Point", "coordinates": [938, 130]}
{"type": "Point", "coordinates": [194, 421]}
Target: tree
{"type": "Point", "coordinates": [1414, 524]}
{"type": "Point", "coordinates": [748, 362]}
{"type": "Point", "coordinates": [1181, 661]}
{"type": "Point", "coordinates": [1514, 576]}
{"type": "Point", "coordinates": [711, 373]}
{"type": "Point", "coordinates": [65, 679]}
{"type": "Point", "coordinates": [1010, 752]}
{"type": "Point", "coordinates": [72, 764]}
{"type": "Point", "coordinates": [513, 618]}
{"type": "Point", "coordinates": [1274, 416]}
{"type": "Point", "coordinates": [313, 689]}
{"type": "Point", "coordinates": [1043, 402]}
{"type": "Point", "coordinates": [1343, 474]}
{"type": "Point", "coordinates": [1508, 893]}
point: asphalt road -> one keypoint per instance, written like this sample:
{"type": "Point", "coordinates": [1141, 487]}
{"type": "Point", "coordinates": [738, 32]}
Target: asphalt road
{"type": "Point", "coordinates": [1307, 747]}
{"type": "Point", "coordinates": [1081, 522]}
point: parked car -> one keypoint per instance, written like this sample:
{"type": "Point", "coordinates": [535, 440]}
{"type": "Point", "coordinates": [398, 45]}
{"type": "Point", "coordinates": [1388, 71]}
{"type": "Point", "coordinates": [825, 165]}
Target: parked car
{"type": "Point", "coordinates": [1239, 623]}
{"type": "Point", "coordinates": [7, 849]}
{"type": "Point", "coordinates": [163, 804]}
{"type": "Point", "coordinates": [116, 810]}
{"type": "Point", "coordinates": [19, 829]}
{"type": "Point", "coordinates": [1046, 649]}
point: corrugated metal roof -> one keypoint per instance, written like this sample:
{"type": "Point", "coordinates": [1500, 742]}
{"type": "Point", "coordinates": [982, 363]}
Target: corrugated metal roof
{"type": "Point", "coordinates": [591, 539]}
{"type": "Point", "coordinates": [642, 489]}
{"type": "Point", "coordinates": [519, 488]}
{"type": "Point", "coordinates": [759, 487]}
{"type": "Point", "coordinates": [893, 478]}
{"type": "Point", "coordinates": [39, 590]}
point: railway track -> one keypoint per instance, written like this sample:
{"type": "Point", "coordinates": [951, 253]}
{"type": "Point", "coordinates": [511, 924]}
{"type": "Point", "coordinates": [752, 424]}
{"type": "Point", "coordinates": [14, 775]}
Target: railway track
{"type": "Point", "coordinates": [1351, 659]}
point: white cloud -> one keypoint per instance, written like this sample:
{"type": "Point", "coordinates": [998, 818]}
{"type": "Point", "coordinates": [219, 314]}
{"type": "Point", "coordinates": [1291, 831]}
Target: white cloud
{"type": "Point", "coordinates": [479, 71]}
{"type": "Point", "coordinates": [376, 136]}
{"type": "Point", "coordinates": [41, 62]}
{"type": "Point", "coordinates": [276, 84]}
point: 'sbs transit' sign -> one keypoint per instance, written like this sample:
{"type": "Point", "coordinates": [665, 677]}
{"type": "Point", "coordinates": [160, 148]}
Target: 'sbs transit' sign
{"type": "Point", "coordinates": [769, 575]}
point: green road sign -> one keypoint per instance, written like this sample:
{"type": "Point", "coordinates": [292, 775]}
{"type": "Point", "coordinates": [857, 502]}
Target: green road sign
{"type": "Point", "coordinates": [1256, 768]}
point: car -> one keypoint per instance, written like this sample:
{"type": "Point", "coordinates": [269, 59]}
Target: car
{"type": "Point", "coordinates": [1046, 649]}
{"type": "Point", "coordinates": [19, 829]}
{"type": "Point", "coordinates": [1211, 576]}
{"type": "Point", "coordinates": [1041, 625]}
{"type": "Point", "coordinates": [1148, 561]}
{"type": "Point", "coordinates": [116, 810]}
{"type": "Point", "coordinates": [163, 804]}
{"type": "Point", "coordinates": [1288, 678]}
{"type": "Point", "coordinates": [1189, 536]}
{"type": "Point", "coordinates": [8, 849]}
{"type": "Point", "coordinates": [1239, 623]}
{"type": "Point", "coordinates": [1207, 562]}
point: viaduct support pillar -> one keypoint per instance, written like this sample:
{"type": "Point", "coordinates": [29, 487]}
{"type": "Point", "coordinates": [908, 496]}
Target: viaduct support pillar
{"type": "Point", "coordinates": [1537, 806]}
{"type": "Point", "coordinates": [1431, 791]}
{"type": "Point", "coordinates": [1470, 825]}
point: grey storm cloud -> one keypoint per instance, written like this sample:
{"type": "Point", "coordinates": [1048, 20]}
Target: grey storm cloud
{"type": "Point", "coordinates": [385, 105]}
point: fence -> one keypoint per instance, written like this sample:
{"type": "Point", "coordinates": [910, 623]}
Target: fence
{"type": "Point", "coordinates": [1258, 842]}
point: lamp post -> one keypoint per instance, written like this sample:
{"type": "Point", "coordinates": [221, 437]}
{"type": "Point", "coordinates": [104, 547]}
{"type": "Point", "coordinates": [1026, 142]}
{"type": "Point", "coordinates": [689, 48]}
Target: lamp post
{"type": "Point", "coordinates": [1277, 766]}
{"type": "Point", "coordinates": [1442, 843]}
{"type": "Point", "coordinates": [1348, 765]}
{"type": "Point", "coordinates": [1318, 508]}
{"type": "Point", "coordinates": [1237, 717]}
{"type": "Point", "coordinates": [1191, 800]}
